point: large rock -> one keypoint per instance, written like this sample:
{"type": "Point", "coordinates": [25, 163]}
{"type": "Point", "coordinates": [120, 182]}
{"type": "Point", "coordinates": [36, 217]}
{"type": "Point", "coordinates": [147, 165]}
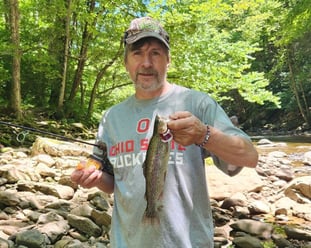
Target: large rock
{"type": "Point", "coordinates": [256, 228]}
{"type": "Point", "coordinates": [54, 229]}
{"type": "Point", "coordinates": [58, 148]}
{"type": "Point", "coordinates": [296, 233]}
{"type": "Point", "coordinates": [300, 190]}
{"type": "Point", "coordinates": [84, 225]}
{"type": "Point", "coordinates": [247, 241]}
{"type": "Point", "coordinates": [31, 238]}
{"type": "Point", "coordinates": [60, 191]}
{"type": "Point", "coordinates": [9, 198]}
{"type": "Point", "coordinates": [307, 158]}
{"type": "Point", "coordinates": [222, 186]}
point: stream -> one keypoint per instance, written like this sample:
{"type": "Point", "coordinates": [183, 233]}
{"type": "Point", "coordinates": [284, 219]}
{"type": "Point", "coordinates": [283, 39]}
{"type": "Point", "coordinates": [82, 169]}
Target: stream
{"type": "Point", "coordinates": [294, 146]}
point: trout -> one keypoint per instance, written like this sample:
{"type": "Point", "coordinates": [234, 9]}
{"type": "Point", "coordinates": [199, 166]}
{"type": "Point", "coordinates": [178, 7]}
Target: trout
{"type": "Point", "coordinates": [155, 168]}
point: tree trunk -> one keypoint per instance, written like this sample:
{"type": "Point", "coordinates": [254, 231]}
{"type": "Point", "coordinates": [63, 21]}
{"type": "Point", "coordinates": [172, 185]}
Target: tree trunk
{"type": "Point", "coordinates": [306, 106]}
{"type": "Point", "coordinates": [83, 55]}
{"type": "Point", "coordinates": [66, 55]}
{"type": "Point", "coordinates": [303, 112]}
{"type": "Point", "coordinates": [56, 51]}
{"type": "Point", "coordinates": [15, 96]}
{"type": "Point", "coordinates": [99, 78]}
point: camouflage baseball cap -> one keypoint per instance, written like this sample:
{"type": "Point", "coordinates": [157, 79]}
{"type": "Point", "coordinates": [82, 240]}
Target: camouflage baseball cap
{"type": "Point", "coordinates": [145, 27]}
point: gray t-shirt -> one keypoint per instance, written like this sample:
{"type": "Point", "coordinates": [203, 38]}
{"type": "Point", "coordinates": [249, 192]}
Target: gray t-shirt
{"type": "Point", "coordinates": [186, 218]}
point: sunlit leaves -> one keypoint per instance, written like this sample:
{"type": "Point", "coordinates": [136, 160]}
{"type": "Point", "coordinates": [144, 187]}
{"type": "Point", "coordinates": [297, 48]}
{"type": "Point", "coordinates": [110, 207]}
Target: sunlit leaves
{"type": "Point", "coordinates": [213, 43]}
{"type": "Point", "coordinates": [297, 22]}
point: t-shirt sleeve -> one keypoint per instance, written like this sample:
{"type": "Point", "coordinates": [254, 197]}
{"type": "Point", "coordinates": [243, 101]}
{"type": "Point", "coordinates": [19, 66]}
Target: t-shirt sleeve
{"type": "Point", "coordinates": [211, 113]}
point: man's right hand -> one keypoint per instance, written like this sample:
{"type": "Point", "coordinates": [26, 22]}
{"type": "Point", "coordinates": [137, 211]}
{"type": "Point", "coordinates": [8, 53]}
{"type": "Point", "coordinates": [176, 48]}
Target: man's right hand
{"type": "Point", "coordinates": [87, 177]}
{"type": "Point", "coordinates": [88, 174]}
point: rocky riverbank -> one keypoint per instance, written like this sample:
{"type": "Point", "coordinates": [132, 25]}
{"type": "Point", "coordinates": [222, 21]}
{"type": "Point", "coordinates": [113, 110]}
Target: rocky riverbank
{"type": "Point", "coordinates": [40, 207]}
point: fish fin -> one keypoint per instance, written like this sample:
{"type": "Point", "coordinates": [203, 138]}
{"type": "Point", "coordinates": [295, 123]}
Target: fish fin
{"type": "Point", "coordinates": [152, 214]}
{"type": "Point", "coordinates": [145, 176]}
{"type": "Point", "coordinates": [164, 176]}
{"type": "Point", "coordinates": [144, 169]}
{"type": "Point", "coordinates": [145, 196]}
{"type": "Point", "coordinates": [151, 218]}
{"type": "Point", "coordinates": [160, 207]}
{"type": "Point", "coordinates": [160, 198]}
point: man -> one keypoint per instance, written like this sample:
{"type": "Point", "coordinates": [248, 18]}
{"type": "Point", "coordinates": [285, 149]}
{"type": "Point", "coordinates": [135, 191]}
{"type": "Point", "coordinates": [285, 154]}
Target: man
{"type": "Point", "coordinates": [199, 127]}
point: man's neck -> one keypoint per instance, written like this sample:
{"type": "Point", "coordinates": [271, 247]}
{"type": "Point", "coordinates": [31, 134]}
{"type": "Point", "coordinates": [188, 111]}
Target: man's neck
{"type": "Point", "coordinates": [148, 94]}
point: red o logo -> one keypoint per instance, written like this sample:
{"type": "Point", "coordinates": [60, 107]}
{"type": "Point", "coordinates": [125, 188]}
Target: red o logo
{"type": "Point", "coordinates": [143, 125]}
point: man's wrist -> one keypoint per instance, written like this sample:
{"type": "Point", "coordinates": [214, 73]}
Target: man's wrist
{"type": "Point", "coordinates": [206, 137]}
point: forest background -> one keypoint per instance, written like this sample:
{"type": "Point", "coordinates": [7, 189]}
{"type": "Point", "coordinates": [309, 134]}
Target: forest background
{"type": "Point", "coordinates": [62, 60]}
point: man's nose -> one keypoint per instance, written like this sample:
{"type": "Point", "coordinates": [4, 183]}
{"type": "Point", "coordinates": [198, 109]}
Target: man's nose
{"type": "Point", "coordinates": [147, 62]}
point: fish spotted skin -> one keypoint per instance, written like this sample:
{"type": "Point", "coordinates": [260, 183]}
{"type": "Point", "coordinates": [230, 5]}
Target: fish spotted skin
{"type": "Point", "coordinates": [155, 168]}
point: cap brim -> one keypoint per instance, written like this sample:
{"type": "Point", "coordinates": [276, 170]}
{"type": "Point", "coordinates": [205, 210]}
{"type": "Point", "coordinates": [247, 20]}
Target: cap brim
{"type": "Point", "coordinates": [135, 37]}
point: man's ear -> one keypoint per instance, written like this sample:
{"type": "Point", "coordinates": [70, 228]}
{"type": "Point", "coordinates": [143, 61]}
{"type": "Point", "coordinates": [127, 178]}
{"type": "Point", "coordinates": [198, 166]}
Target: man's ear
{"type": "Point", "coordinates": [168, 61]}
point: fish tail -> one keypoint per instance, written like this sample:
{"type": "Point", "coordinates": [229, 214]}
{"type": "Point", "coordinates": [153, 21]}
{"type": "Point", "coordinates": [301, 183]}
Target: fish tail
{"type": "Point", "coordinates": [151, 216]}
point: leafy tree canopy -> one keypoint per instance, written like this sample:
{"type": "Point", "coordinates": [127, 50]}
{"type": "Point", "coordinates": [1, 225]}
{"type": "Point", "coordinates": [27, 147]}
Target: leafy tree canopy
{"type": "Point", "coordinates": [217, 46]}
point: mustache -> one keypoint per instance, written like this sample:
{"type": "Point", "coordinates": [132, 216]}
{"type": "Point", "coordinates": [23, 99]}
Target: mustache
{"type": "Point", "coordinates": [147, 71]}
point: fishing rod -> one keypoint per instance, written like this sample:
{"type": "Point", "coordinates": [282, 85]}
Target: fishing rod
{"type": "Point", "coordinates": [44, 132]}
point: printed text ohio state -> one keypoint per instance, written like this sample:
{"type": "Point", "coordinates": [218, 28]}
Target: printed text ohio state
{"type": "Point", "coordinates": [123, 154]}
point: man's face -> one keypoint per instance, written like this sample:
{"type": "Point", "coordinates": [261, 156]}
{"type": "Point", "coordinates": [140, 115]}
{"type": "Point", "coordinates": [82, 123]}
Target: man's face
{"type": "Point", "coordinates": [147, 65]}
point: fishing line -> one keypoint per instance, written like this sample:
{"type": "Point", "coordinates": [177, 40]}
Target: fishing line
{"type": "Point", "coordinates": [22, 135]}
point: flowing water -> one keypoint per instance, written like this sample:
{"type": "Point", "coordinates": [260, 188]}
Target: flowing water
{"type": "Point", "coordinates": [294, 146]}
{"type": "Point", "coordinates": [286, 138]}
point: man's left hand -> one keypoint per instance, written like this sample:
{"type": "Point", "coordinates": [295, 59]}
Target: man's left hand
{"type": "Point", "coordinates": [186, 128]}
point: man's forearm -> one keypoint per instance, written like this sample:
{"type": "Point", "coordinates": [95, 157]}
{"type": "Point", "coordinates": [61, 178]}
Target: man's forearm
{"type": "Point", "coordinates": [234, 150]}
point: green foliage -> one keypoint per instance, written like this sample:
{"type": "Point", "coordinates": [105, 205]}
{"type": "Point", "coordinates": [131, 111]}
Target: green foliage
{"type": "Point", "coordinates": [214, 54]}
{"type": "Point", "coordinates": [229, 49]}
{"type": "Point", "coordinates": [269, 244]}
{"type": "Point", "coordinates": [296, 22]}
{"type": "Point", "coordinates": [294, 64]}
